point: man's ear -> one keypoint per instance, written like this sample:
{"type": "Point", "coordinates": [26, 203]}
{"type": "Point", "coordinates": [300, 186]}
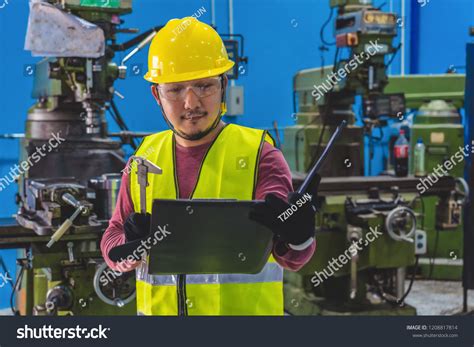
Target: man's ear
{"type": "Point", "coordinates": [225, 82]}
{"type": "Point", "coordinates": [155, 93]}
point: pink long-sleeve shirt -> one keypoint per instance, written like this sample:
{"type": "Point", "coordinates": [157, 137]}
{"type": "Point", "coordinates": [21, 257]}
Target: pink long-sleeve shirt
{"type": "Point", "coordinates": [273, 177]}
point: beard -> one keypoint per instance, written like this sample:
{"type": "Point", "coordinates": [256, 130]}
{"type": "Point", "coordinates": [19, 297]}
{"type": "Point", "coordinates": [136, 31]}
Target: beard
{"type": "Point", "coordinates": [198, 134]}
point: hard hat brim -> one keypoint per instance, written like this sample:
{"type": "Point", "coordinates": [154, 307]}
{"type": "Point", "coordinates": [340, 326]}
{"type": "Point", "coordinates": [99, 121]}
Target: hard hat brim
{"type": "Point", "coordinates": [190, 76]}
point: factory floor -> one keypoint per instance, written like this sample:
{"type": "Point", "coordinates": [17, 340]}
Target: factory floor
{"type": "Point", "coordinates": [436, 298]}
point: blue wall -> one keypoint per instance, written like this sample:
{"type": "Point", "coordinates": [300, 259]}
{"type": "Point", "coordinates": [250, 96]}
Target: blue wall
{"type": "Point", "coordinates": [281, 37]}
{"type": "Point", "coordinates": [443, 34]}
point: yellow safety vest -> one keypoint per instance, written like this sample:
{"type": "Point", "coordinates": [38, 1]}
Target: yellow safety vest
{"type": "Point", "coordinates": [228, 171]}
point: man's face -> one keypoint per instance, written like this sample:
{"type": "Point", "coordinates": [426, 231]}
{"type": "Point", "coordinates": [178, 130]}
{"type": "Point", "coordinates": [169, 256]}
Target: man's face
{"type": "Point", "coordinates": [192, 107]}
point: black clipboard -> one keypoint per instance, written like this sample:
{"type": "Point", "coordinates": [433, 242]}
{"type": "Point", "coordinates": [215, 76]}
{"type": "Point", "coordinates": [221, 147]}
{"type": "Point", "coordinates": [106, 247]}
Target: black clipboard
{"type": "Point", "coordinates": [211, 236]}
{"type": "Point", "coordinates": [207, 237]}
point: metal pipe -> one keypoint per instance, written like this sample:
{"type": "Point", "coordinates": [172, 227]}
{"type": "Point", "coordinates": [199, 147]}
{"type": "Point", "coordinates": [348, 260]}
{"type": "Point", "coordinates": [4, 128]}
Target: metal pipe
{"type": "Point", "coordinates": [231, 28]}
{"type": "Point", "coordinates": [213, 13]}
{"type": "Point", "coordinates": [126, 133]}
{"type": "Point", "coordinates": [400, 282]}
{"type": "Point", "coordinates": [12, 136]}
{"type": "Point", "coordinates": [71, 200]}
{"type": "Point", "coordinates": [402, 40]}
{"type": "Point", "coordinates": [391, 11]}
{"type": "Point", "coordinates": [231, 18]}
{"type": "Point", "coordinates": [139, 47]}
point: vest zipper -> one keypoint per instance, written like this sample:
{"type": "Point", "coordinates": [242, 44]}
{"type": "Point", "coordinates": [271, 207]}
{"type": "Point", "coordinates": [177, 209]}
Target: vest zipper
{"type": "Point", "coordinates": [181, 285]}
{"type": "Point", "coordinates": [181, 288]}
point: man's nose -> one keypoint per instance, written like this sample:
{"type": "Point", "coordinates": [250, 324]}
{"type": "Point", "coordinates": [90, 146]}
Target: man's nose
{"type": "Point", "coordinates": [191, 100]}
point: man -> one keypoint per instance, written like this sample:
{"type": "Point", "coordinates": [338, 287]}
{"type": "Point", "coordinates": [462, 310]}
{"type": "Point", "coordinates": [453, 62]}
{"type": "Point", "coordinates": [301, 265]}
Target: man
{"type": "Point", "coordinates": [202, 157]}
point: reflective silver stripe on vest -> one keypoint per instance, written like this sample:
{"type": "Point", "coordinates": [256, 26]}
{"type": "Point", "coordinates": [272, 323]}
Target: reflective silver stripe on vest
{"type": "Point", "coordinates": [162, 280]}
{"type": "Point", "coordinates": [272, 272]}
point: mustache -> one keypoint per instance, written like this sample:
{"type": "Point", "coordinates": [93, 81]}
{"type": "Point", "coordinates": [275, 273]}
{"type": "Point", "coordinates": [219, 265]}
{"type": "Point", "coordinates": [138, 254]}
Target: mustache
{"type": "Point", "coordinates": [194, 113]}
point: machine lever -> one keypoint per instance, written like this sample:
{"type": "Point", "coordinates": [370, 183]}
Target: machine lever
{"type": "Point", "coordinates": [354, 259]}
{"type": "Point", "coordinates": [70, 251]}
{"type": "Point", "coordinates": [71, 200]}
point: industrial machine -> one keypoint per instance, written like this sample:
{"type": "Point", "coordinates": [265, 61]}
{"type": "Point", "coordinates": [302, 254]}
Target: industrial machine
{"type": "Point", "coordinates": [325, 96]}
{"type": "Point", "coordinates": [340, 279]}
{"type": "Point", "coordinates": [371, 280]}
{"type": "Point", "coordinates": [71, 192]}
{"type": "Point", "coordinates": [435, 101]}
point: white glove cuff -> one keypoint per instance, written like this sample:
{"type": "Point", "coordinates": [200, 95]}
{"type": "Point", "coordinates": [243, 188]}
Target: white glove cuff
{"type": "Point", "coordinates": [303, 245]}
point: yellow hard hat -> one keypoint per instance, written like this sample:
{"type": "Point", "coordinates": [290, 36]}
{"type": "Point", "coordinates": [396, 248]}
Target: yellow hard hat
{"type": "Point", "coordinates": [186, 49]}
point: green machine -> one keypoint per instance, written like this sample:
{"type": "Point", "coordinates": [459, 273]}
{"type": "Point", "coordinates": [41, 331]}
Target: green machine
{"type": "Point", "coordinates": [436, 101]}
{"type": "Point", "coordinates": [366, 227]}
{"type": "Point", "coordinates": [385, 218]}
{"type": "Point", "coordinates": [74, 187]}
{"type": "Point", "coordinates": [339, 280]}
{"type": "Point", "coordinates": [325, 96]}
{"type": "Point", "coordinates": [371, 280]}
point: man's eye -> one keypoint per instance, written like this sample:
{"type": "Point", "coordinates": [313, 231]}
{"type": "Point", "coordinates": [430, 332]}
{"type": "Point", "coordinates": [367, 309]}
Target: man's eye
{"type": "Point", "coordinates": [175, 90]}
{"type": "Point", "coordinates": [205, 86]}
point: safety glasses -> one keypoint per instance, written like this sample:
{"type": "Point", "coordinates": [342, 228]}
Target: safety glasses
{"type": "Point", "coordinates": [202, 88]}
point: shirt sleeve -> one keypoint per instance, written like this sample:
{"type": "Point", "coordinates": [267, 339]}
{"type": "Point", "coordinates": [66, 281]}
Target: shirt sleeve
{"type": "Point", "coordinates": [114, 235]}
{"type": "Point", "coordinates": [274, 176]}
